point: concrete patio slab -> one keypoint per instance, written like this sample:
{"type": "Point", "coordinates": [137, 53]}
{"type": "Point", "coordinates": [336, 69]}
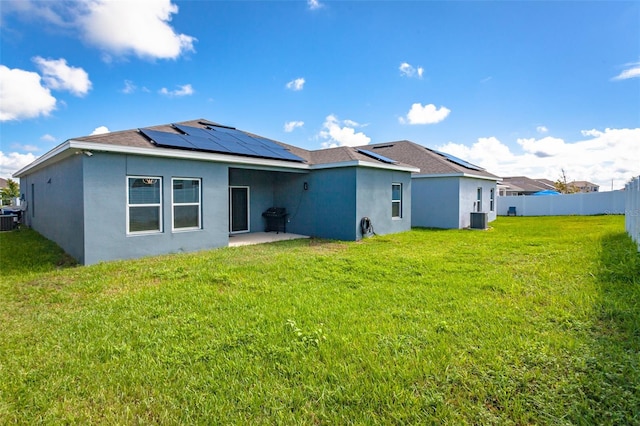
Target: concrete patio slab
{"type": "Point", "coordinates": [251, 238]}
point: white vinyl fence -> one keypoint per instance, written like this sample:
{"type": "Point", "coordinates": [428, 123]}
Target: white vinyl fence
{"type": "Point", "coordinates": [632, 211]}
{"type": "Point", "coordinates": [581, 204]}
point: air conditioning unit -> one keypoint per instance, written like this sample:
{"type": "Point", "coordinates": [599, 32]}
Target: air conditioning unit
{"type": "Point", "coordinates": [479, 220]}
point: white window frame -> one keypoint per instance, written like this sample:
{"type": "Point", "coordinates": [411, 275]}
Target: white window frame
{"type": "Point", "coordinates": [479, 199]}
{"type": "Point", "coordinates": [399, 202]}
{"type": "Point", "coordinates": [158, 205]}
{"type": "Point", "coordinates": [174, 205]}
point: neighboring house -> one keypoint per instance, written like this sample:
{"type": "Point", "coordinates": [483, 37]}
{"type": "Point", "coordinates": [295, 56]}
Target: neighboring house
{"type": "Point", "coordinates": [584, 186]}
{"type": "Point", "coordinates": [445, 189]}
{"type": "Point", "coordinates": [522, 185]}
{"type": "Point", "coordinates": [188, 186]}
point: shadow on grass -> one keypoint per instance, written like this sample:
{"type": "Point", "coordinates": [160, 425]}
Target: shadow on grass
{"type": "Point", "coordinates": [619, 279]}
{"type": "Point", "coordinates": [610, 382]}
{"type": "Point", "coordinates": [26, 251]}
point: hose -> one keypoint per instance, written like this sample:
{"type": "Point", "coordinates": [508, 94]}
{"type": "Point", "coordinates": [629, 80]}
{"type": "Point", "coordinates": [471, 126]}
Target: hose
{"type": "Point", "coordinates": [366, 227]}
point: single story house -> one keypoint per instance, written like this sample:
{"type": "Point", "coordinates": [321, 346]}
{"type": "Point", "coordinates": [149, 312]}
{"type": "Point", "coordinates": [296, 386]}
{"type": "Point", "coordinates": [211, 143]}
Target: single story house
{"type": "Point", "coordinates": [445, 190]}
{"type": "Point", "coordinates": [522, 185]}
{"type": "Point", "coordinates": [188, 186]}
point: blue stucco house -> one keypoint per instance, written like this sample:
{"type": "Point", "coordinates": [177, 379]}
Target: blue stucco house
{"type": "Point", "coordinates": [445, 190]}
{"type": "Point", "coordinates": [188, 186]}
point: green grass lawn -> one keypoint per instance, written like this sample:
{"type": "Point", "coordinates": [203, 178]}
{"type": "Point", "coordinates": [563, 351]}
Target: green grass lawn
{"type": "Point", "coordinates": [536, 321]}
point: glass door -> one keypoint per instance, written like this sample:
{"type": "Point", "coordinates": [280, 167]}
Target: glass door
{"type": "Point", "coordinates": [238, 209]}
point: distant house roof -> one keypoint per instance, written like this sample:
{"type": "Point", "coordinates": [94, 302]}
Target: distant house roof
{"type": "Point", "coordinates": [583, 184]}
{"type": "Point", "coordinates": [523, 184]}
{"type": "Point", "coordinates": [3, 183]}
{"type": "Point", "coordinates": [430, 162]}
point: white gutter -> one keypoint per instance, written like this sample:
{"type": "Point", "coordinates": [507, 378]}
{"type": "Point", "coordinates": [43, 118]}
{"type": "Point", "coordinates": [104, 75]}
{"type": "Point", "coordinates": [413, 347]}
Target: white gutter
{"type": "Point", "coordinates": [359, 163]}
{"type": "Point", "coordinates": [55, 152]}
{"type": "Point", "coordinates": [467, 175]}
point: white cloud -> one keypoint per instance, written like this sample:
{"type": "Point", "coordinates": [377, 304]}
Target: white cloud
{"type": "Point", "coordinates": [26, 148]}
{"type": "Point", "coordinates": [100, 130]}
{"type": "Point", "coordinates": [601, 157]}
{"type": "Point", "coordinates": [427, 114]}
{"type": "Point", "coordinates": [57, 75]}
{"type": "Point", "coordinates": [291, 125]}
{"type": "Point", "coordinates": [408, 70]}
{"type": "Point", "coordinates": [351, 123]}
{"type": "Point", "coordinates": [545, 147]}
{"type": "Point", "coordinates": [12, 162]}
{"type": "Point", "coordinates": [129, 87]}
{"type": "Point", "coordinates": [296, 84]}
{"type": "Point", "coordinates": [632, 71]}
{"type": "Point", "coordinates": [47, 138]}
{"type": "Point", "coordinates": [593, 132]}
{"type": "Point", "coordinates": [542, 129]}
{"type": "Point", "coordinates": [53, 12]}
{"type": "Point", "coordinates": [22, 95]}
{"type": "Point", "coordinates": [142, 28]}
{"type": "Point", "coordinates": [314, 4]}
{"type": "Point", "coordinates": [184, 90]}
{"type": "Point", "coordinates": [336, 133]}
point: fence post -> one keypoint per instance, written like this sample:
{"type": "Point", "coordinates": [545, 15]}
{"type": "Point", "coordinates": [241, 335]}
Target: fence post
{"type": "Point", "coordinates": [632, 210]}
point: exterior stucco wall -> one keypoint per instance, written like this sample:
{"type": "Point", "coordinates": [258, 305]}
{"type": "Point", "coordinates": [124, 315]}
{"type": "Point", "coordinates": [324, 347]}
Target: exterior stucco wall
{"type": "Point", "coordinates": [327, 209]}
{"type": "Point", "coordinates": [54, 200]}
{"type": "Point", "coordinates": [105, 183]}
{"type": "Point", "coordinates": [334, 203]}
{"type": "Point", "coordinates": [435, 202]}
{"type": "Point", "coordinates": [290, 194]}
{"type": "Point", "coordinates": [374, 187]}
{"type": "Point", "coordinates": [261, 193]}
{"type": "Point", "coordinates": [337, 199]}
{"type": "Point", "coordinates": [447, 202]}
{"type": "Point", "coordinates": [468, 196]}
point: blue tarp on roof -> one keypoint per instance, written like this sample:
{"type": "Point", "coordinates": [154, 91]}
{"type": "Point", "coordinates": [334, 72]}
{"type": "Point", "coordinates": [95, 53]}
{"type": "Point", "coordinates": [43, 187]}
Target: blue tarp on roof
{"type": "Point", "coordinates": [546, 192]}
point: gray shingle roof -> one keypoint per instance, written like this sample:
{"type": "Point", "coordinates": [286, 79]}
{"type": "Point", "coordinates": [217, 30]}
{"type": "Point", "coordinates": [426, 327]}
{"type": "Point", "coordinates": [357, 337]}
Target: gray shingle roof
{"type": "Point", "coordinates": [525, 184]}
{"type": "Point", "coordinates": [133, 138]}
{"type": "Point", "coordinates": [428, 161]}
{"type": "Point", "coordinates": [406, 153]}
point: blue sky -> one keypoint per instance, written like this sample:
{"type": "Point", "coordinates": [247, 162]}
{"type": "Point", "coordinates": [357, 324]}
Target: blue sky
{"type": "Point", "coordinates": [520, 88]}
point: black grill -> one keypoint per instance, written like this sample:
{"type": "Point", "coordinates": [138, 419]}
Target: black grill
{"type": "Point", "coordinates": [276, 218]}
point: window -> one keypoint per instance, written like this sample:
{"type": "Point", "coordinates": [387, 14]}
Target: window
{"type": "Point", "coordinates": [144, 205]}
{"type": "Point", "coordinates": [492, 199]}
{"type": "Point", "coordinates": [186, 203]}
{"type": "Point", "coordinates": [396, 200]}
{"type": "Point", "coordinates": [479, 200]}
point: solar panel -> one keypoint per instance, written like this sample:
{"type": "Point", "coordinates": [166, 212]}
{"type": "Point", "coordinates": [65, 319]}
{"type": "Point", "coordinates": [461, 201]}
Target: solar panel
{"type": "Point", "coordinates": [377, 156]}
{"type": "Point", "coordinates": [459, 161]}
{"type": "Point", "coordinates": [225, 140]}
{"type": "Point", "coordinates": [244, 138]}
{"type": "Point", "coordinates": [261, 146]}
{"type": "Point", "coordinates": [193, 131]}
{"type": "Point", "coordinates": [165, 139]}
{"type": "Point", "coordinates": [206, 144]}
